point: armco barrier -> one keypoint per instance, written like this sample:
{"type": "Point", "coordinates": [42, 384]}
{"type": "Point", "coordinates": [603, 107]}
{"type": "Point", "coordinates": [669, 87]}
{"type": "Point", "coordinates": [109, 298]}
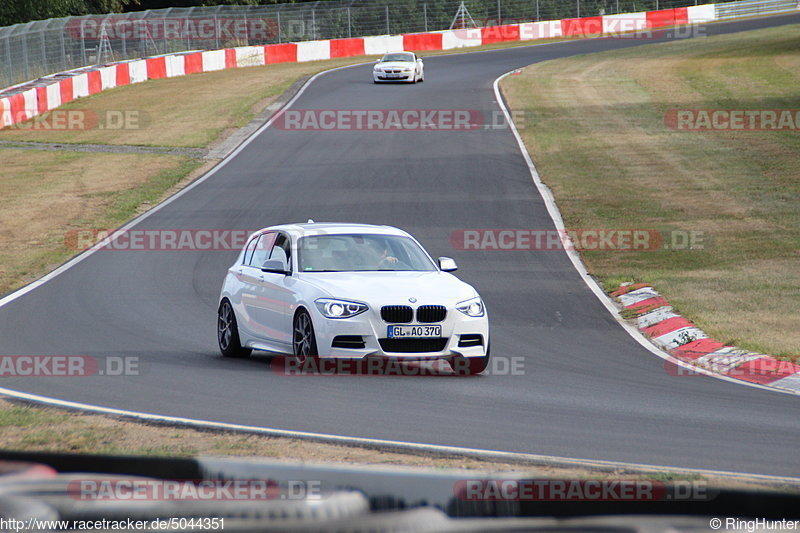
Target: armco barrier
{"type": "Point", "coordinates": [461, 38]}
{"type": "Point", "coordinates": [422, 41]}
{"type": "Point", "coordinates": [499, 34]}
{"type": "Point", "coordinates": [23, 102]}
{"type": "Point", "coordinates": [625, 22]}
{"type": "Point", "coordinates": [138, 70]}
{"type": "Point", "coordinates": [281, 53]}
{"type": "Point", "coordinates": [249, 56]}
{"type": "Point", "coordinates": [382, 44]}
{"type": "Point", "coordinates": [753, 8]}
{"type": "Point", "coordinates": [313, 50]}
{"type": "Point", "coordinates": [667, 17]}
{"type": "Point", "coordinates": [347, 47]}
{"type": "Point", "coordinates": [547, 29]}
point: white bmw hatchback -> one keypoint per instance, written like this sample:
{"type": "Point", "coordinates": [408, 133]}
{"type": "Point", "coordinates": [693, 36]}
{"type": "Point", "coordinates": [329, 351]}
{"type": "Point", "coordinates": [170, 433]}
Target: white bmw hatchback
{"type": "Point", "coordinates": [349, 291]}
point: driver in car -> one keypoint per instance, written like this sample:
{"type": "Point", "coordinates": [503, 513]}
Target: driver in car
{"type": "Point", "coordinates": [382, 254]}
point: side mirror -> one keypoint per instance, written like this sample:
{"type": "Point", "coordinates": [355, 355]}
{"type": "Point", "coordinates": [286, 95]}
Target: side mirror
{"type": "Point", "coordinates": [274, 266]}
{"type": "Point", "coordinates": [447, 264]}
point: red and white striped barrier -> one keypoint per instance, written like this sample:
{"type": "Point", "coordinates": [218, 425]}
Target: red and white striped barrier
{"type": "Point", "coordinates": [383, 44]}
{"type": "Point", "coordinates": [24, 102]}
{"type": "Point", "coordinates": [688, 343]}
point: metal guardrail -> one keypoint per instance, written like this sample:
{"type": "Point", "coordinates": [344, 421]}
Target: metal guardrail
{"type": "Point", "coordinates": [752, 8]}
{"type": "Point", "coordinates": [35, 49]}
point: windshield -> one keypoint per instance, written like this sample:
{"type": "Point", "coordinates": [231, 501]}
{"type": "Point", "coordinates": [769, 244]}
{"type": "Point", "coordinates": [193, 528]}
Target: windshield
{"type": "Point", "coordinates": [355, 253]}
{"type": "Point", "coordinates": [398, 57]}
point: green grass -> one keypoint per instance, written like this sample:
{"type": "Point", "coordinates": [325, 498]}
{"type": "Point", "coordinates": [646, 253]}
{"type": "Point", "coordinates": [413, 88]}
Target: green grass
{"type": "Point", "coordinates": [45, 194]}
{"type": "Point", "coordinates": [208, 105]}
{"type": "Point", "coordinates": [28, 417]}
{"type": "Point", "coordinates": [741, 283]}
{"type": "Point", "coordinates": [595, 128]}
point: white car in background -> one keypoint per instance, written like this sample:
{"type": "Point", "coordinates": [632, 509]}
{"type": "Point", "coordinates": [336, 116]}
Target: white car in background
{"type": "Point", "coordinates": [349, 291]}
{"type": "Point", "coordinates": [399, 67]}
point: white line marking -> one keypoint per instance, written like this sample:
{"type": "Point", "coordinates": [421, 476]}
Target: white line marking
{"type": "Point", "coordinates": [88, 253]}
{"type": "Point", "coordinates": [791, 382]}
{"type": "Point", "coordinates": [576, 261]}
{"type": "Point", "coordinates": [74, 261]}
{"type": "Point", "coordinates": [412, 446]}
{"type": "Point", "coordinates": [606, 300]}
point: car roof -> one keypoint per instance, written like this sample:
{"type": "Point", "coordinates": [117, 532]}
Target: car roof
{"type": "Point", "coordinates": [312, 228]}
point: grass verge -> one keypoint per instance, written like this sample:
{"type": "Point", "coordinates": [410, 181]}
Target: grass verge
{"type": "Point", "coordinates": [28, 428]}
{"type": "Point", "coordinates": [595, 125]}
{"type": "Point", "coordinates": [45, 194]}
{"type": "Point", "coordinates": [58, 191]}
{"type": "Point", "coordinates": [186, 111]}
{"type": "Point", "coordinates": [32, 428]}
{"type": "Point", "coordinates": [208, 105]}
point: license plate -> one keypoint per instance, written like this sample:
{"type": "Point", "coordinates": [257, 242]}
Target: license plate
{"type": "Point", "coordinates": [414, 331]}
{"type": "Point", "coordinates": [393, 75]}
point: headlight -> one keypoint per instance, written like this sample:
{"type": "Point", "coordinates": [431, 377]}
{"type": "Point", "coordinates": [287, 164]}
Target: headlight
{"type": "Point", "coordinates": [473, 307]}
{"type": "Point", "coordinates": [376, 68]}
{"type": "Point", "coordinates": [332, 308]}
{"type": "Point", "coordinates": [406, 69]}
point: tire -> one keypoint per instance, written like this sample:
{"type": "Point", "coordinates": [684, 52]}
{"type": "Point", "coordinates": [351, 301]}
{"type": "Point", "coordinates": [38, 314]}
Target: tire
{"type": "Point", "coordinates": [304, 342]}
{"type": "Point", "coordinates": [228, 332]}
{"type": "Point", "coordinates": [470, 366]}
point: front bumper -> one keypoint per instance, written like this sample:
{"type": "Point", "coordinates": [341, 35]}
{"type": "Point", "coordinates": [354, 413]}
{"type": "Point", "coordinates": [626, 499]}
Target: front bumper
{"type": "Point", "coordinates": [400, 77]}
{"type": "Point", "coordinates": [366, 335]}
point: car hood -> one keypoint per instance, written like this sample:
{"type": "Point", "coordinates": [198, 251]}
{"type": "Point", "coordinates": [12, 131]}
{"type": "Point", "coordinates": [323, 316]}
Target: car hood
{"type": "Point", "coordinates": [392, 288]}
{"type": "Point", "coordinates": [396, 64]}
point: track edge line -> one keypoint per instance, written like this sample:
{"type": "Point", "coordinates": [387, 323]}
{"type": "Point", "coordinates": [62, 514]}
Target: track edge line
{"type": "Point", "coordinates": [398, 446]}
{"type": "Point", "coordinates": [575, 259]}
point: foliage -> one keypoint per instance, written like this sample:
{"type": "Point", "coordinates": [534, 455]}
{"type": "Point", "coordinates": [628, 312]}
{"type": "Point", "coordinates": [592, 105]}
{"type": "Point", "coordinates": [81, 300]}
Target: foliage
{"type": "Point", "coordinates": [18, 11]}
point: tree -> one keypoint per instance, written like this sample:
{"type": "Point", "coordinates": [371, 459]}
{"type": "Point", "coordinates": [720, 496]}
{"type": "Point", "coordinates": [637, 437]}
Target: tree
{"type": "Point", "coordinates": [18, 11]}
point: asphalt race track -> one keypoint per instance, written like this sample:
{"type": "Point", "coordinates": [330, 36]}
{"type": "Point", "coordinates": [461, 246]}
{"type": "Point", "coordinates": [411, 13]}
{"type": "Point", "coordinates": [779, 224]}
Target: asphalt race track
{"type": "Point", "coordinates": [588, 391]}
